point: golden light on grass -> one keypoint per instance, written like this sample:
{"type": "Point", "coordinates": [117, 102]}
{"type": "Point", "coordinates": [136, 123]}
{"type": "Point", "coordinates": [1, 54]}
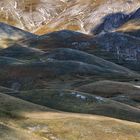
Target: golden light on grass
{"type": "Point", "coordinates": [132, 25]}
{"type": "Point", "coordinates": [7, 18]}
{"type": "Point", "coordinates": [8, 41]}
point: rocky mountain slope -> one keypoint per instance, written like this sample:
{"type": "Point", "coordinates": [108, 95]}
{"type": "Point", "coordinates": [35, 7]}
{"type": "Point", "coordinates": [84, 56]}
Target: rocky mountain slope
{"type": "Point", "coordinates": [82, 15]}
{"type": "Point", "coordinates": [87, 15]}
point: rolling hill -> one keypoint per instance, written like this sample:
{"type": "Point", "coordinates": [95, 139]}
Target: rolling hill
{"type": "Point", "coordinates": [28, 68]}
{"type": "Point", "coordinates": [73, 101]}
{"type": "Point", "coordinates": [41, 123]}
{"type": "Point", "coordinates": [110, 88]}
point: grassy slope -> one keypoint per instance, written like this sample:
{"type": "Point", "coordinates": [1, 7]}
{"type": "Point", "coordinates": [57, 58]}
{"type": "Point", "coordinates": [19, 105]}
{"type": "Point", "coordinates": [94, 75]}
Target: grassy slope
{"type": "Point", "coordinates": [10, 131]}
{"type": "Point", "coordinates": [42, 125]}
{"type": "Point", "coordinates": [124, 92]}
{"type": "Point", "coordinates": [71, 101]}
{"type": "Point", "coordinates": [107, 88]}
{"type": "Point", "coordinates": [16, 107]}
{"type": "Point", "coordinates": [82, 127]}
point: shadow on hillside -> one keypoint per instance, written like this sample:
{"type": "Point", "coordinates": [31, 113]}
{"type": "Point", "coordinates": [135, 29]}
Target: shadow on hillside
{"type": "Point", "coordinates": [15, 108]}
{"type": "Point", "coordinates": [115, 20]}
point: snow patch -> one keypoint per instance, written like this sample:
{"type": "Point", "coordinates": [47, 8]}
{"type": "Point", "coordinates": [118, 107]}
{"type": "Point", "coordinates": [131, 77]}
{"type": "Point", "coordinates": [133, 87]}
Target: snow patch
{"type": "Point", "coordinates": [99, 98]}
{"type": "Point", "coordinates": [73, 93]}
{"type": "Point", "coordinates": [81, 96]}
{"type": "Point", "coordinates": [136, 86]}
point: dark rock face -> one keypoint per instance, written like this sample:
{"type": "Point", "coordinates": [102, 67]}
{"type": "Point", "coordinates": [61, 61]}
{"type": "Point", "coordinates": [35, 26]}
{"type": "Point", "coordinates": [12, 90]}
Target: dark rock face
{"type": "Point", "coordinates": [111, 22]}
{"type": "Point", "coordinates": [135, 15]}
{"type": "Point", "coordinates": [132, 26]}
{"type": "Point", "coordinates": [114, 21]}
